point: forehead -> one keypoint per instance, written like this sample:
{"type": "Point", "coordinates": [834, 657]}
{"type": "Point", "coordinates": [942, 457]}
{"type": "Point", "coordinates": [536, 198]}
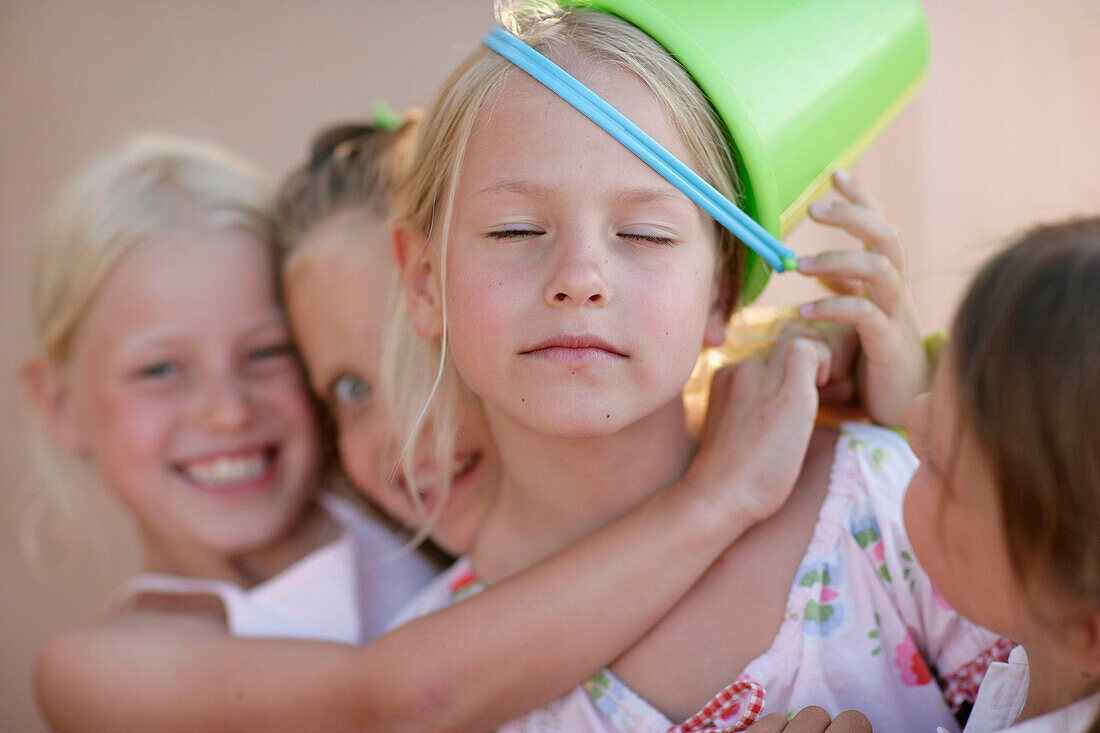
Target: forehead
{"type": "Point", "coordinates": [210, 279]}
{"type": "Point", "coordinates": [337, 297]}
{"type": "Point", "coordinates": [523, 124]}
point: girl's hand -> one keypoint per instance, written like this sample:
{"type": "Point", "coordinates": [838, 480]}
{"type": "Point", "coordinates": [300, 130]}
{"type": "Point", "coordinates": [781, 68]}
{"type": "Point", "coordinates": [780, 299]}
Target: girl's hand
{"type": "Point", "coordinates": [892, 367]}
{"type": "Point", "coordinates": [812, 720]}
{"type": "Point", "coordinates": [758, 424]}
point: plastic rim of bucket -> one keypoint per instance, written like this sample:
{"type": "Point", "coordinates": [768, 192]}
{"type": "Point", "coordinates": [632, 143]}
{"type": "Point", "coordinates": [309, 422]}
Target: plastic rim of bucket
{"type": "Point", "coordinates": [802, 86]}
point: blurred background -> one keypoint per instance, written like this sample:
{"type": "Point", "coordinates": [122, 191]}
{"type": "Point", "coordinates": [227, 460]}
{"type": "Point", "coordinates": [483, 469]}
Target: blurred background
{"type": "Point", "coordinates": [1002, 135]}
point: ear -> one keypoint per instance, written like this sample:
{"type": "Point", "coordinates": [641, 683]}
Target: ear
{"type": "Point", "coordinates": [420, 280]}
{"type": "Point", "coordinates": [48, 386]}
{"type": "Point", "coordinates": [719, 313]}
{"type": "Point", "coordinates": [1084, 643]}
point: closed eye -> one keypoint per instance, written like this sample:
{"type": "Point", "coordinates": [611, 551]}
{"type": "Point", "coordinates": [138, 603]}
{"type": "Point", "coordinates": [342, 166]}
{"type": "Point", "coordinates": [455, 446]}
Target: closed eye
{"type": "Point", "coordinates": [649, 238]}
{"type": "Point", "coordinates": [510, 234]}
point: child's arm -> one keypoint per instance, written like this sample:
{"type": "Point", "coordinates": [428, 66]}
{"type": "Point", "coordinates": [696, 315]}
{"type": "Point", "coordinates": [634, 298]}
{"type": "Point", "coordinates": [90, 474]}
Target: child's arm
{"type": "Point", "coordinates": [493, 656]}
{"type": "Point", "coordinates": [893, 365]}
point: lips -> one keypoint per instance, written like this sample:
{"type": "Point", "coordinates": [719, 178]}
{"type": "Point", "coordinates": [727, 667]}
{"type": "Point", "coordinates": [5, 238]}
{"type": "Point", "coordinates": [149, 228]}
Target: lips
{"type": "Point", "coordinates": [575, 350]}
{"type": "Point", "coordinates": [465, 465]}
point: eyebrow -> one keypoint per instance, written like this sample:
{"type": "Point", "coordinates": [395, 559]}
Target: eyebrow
{"type": "Point", "coordinates": [638, 195]}
{"type": "Point", "coordinates": [167, 337]}
{"type": "Point", "coordinates": [522, 188]}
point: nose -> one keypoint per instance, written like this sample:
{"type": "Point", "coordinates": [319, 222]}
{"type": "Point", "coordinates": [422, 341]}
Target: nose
{"type": "Point", "coordinates": [226, 405]}
{"type": "Point", "coordinates": [579, 277]}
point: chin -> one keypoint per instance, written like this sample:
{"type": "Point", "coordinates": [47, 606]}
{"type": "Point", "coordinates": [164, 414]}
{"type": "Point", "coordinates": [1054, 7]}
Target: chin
{"type": "Point", "coordinates": [584, 427]}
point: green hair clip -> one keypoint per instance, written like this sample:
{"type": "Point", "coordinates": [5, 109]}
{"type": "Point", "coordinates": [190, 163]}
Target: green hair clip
{"type": "Point", "coordinates": [384, 116]}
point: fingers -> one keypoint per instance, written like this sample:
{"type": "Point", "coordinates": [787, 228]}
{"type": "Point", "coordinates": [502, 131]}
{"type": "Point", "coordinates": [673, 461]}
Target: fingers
{"type": "Point", "coordinates": [864, 224]}
{"type": "Point", "coordinates": [799, 361]}
{"type": "Point", "coordinates": [869, 320]}
{"type": "Point", "coordinates": [876, 271]}
{"type": "Point", "coordinates": [812, 720]}
{"type": "Point", "coordinates": [850, 721]}
{"type": "Point", "coordinates": [809, 720]}
{"type": "Point", "coordinates": [848, 187]}
{"type": "Point", "coordinates": [839, 285]}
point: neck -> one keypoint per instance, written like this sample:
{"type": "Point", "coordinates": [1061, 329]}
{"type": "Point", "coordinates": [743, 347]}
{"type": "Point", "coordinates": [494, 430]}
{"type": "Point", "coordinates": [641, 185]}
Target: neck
{"type": "Point", "coordinates": [1054, 681]}
{"type": "Point", "coordinates": [555, 490]}
{"type": "Point", "coordinates": [313, 529]}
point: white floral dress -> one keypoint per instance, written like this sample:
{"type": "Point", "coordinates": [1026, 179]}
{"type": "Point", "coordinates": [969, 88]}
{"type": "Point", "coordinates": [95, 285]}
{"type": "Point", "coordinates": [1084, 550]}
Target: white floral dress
{"type": "Point", "coordinates": [864, 628]}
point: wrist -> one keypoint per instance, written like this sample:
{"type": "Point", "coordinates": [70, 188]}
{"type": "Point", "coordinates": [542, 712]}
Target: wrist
{"type": "Point", "coordinates": [713, 508]}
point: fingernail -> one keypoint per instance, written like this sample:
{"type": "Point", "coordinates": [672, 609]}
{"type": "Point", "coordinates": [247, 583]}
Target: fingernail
{"type": "Point", "coordinates": [820, 208]}
{"type": "Point", "coordinates": [842, 176]}
{"type": "Point", "coordinates": [806, 310]}
{"type": "Point", "coordinates": [806, 261]}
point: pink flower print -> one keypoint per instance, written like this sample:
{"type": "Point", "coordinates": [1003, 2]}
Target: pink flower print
{"type": "Point", "coordinates": [914, 670]}
{"type": "Point", "coordinates": [828, 594]}
{"type": "Point", "coordinates": [878, 552]}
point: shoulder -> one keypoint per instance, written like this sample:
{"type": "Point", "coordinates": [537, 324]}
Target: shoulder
{"type": "Point", "coordinates": [873, 461]}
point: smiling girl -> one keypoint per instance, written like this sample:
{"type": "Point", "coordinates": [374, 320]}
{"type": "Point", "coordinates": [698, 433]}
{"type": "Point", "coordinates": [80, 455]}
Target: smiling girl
{"type": "Point", "coordinates": [339, 278]}
{"type": "Point", "coordinates": [166, 366]}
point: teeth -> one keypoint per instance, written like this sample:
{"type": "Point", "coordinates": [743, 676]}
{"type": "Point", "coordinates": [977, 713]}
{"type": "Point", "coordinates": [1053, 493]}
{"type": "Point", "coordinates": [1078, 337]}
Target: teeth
{"type": "Point", "coordinates": [226, 470]}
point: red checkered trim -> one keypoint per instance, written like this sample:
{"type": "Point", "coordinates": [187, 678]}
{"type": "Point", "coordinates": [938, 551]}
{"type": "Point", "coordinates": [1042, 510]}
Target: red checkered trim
{"type": "Point", "coordinates": [961, 686]}
{"type": "Point", "coordinates": [733, 709]}
{"type": "Point", "coordinates": [461, 582]}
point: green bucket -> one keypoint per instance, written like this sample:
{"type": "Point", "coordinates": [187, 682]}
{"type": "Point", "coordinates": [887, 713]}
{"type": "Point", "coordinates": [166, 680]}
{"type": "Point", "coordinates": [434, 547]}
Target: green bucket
{"type": "Point", "coordinates": [803, 86]}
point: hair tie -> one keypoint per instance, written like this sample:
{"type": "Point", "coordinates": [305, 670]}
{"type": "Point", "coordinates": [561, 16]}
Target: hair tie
{"type": "Point", "coordinates": [385, 117]}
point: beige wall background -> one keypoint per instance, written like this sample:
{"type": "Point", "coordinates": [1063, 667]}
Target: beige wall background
{"type": "Point", "coordinates": [1002, 135]}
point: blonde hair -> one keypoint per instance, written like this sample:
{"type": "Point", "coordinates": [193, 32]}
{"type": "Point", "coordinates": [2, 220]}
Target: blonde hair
{"type": "Point", "coordinates": [425, 197]}
{"type": "Point", "coordinates": [154, 186]}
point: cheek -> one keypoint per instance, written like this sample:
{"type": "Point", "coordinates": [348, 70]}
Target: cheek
{"type": "Point", "coordinates": [287, 395]}
{"type": "Point", "coordinates": [920, 510]}
{"type": "Point", "coordinates": [357, 455]}
{"type": "Point", "coordinates": [126, 432]}
{"type": "Point", "coordinates": [363, 449]}
{"type": "Point", "coordinates": [673, 314]}
{"type": "Point", "coordinates": [479, 306]}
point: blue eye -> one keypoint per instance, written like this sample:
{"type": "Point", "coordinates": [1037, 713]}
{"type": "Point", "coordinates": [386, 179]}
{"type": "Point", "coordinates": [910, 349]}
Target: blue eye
{"type": "Point", "coordinates": [349, 390]}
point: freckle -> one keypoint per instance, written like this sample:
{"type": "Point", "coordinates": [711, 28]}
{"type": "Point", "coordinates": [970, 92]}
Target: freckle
{"type": "Point", "coordinates": [522, 399]}
{"type": "Point", "coordinates": [608, 416]}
